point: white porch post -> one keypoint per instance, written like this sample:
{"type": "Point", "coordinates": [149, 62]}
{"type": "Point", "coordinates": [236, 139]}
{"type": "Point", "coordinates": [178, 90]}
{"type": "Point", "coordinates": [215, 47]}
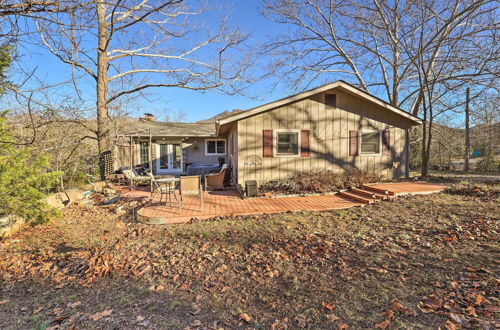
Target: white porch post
{"type": "Point", "coordinates": [150, 152]}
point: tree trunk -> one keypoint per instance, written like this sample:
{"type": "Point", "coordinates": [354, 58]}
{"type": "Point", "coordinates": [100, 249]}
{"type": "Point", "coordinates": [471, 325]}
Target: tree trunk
{"type": "Point", "coordinates": [429, 141]}
{"type": "Point", "coordinates": [467, 131]}
{"type": "Point", "coordinates": [424, 171]}
{"type": "Point", "coordinates": [102, 79]}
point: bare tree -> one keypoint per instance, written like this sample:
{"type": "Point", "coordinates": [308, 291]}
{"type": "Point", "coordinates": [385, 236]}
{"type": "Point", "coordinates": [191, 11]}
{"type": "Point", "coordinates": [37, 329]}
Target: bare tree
{"type": "Point", "coordinates": [368, 41]}
{"type": "Point", "coordinates": [126, 47]}
{"type": "Point", "coordinates": [485, 135]}
{"type": "Point", "coordinates": [418, 54]}
{"type": "Point", "coordinates": [467, 131]}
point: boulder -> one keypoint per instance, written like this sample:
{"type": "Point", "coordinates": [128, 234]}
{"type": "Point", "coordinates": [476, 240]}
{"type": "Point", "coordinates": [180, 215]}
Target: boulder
{"type": "Point", "coordinates": [10, 224]}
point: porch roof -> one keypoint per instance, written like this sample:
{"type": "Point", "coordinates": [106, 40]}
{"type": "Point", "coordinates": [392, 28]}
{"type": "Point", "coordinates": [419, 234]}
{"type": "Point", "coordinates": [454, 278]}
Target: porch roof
{"type": "Point", "coordinates": [169, 129]}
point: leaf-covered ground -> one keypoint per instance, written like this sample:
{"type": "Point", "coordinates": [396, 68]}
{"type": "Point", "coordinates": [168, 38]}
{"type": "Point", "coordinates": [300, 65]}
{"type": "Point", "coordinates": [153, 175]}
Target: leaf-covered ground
{"type": "Point", "coordinates": [426, 261]}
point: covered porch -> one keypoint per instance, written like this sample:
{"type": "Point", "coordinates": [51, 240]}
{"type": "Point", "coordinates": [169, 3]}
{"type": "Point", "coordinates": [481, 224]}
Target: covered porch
{"type": "Point", "coordinates": [170, 148]}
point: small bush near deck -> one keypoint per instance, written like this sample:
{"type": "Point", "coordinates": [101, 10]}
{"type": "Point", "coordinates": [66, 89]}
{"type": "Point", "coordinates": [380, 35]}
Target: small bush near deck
{"type": "Point", "coordinates": [318, 181]}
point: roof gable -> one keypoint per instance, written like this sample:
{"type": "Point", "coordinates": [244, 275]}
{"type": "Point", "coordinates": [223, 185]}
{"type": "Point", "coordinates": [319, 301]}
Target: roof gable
{"type": "Point", "coordinates": [321, 89]}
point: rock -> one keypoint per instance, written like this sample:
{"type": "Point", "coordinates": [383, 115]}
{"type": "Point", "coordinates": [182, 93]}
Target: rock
{"type": "Point", "coordinates": [120, 210]}
{"type": "Point", "coordinates": [109, 192]}
{"type": "Point", "coordinates": [10, 224]}
{"type": "Point", "coordinates": [62, 199]}
{"type": "Point", "coordinates": [111, 201]}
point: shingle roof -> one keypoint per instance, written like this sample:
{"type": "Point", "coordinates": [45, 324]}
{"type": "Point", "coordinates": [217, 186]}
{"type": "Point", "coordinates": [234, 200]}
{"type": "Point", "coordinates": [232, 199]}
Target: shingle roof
{"type": "Point", "coordinates": [162, 128]}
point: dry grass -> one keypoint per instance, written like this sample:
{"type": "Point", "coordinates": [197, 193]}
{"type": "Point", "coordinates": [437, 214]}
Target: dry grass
{"type": "Point", "coordinates": [277, 269]}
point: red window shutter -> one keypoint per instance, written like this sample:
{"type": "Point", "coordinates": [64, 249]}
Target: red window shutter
{"type": "Point", "coordinates": [353, 143]}
{"type": "Point", "coordinates": [386, 142]}
{"type": "Point", "coordinates": [304, 143]}
{"type": "Point", "coordinates": [267, 143]}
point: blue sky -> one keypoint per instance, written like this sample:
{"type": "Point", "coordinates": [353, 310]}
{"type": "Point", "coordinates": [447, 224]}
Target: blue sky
{"type": "Point", "coordinates": [168, 101]}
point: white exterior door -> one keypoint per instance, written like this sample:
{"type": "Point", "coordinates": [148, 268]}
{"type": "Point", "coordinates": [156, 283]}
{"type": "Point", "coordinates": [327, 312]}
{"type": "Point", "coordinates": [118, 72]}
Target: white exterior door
{"type": "Point", "coordinates": [169, 157]}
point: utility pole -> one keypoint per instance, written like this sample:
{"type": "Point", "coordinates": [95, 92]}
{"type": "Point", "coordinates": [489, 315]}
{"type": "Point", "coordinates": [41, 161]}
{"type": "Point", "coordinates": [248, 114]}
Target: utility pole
{"type": "Point", "coordinates": [467, 138]}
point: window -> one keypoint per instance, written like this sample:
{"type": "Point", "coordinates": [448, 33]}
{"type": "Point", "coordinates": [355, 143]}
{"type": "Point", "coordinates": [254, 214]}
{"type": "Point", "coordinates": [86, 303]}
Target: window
{"type": "Point", "coordinates": [370, 143]}
{"type": "Point", "coordinates": [287, 143]}
{"type": "Point", "coordinates": [215, 147]}
{"type": "Point", "coordinates": [144, 152]}
{"type": "Point", "coordinates": [331, 100]}
{"type": "Point", "coordinates": [163, 156]}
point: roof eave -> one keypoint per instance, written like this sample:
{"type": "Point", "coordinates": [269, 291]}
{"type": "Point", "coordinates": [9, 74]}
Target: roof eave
{"type": "Point", "coordinates": [296, 97]}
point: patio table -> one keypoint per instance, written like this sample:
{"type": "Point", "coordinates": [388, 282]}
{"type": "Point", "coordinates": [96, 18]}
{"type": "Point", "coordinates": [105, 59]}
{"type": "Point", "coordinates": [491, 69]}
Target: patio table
{"type": "Point", "coordinates": [170, 183]}
{"type": "Point", "coordinates": [202, 169]}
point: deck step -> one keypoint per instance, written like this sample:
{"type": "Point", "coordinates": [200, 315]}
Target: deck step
{"type": "Point", "coordinates": [378, 190]}
{"type": "Point", "coordinates": [367, 193]}
{"type": "Point", "coordinates": [357, 197]}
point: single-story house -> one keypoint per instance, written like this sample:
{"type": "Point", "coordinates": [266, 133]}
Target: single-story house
{"type": "Point", "coordinates": [336, 127]}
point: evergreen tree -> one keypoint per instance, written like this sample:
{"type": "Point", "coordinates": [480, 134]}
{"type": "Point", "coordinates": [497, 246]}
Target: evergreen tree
{"type": "Point", "coordinates": [5, 60]}
{"type": "Point", "coordinates": [25, 178]}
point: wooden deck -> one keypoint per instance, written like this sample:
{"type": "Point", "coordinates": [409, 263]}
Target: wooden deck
{"type": "Point", "coordinates": [410, 188]}
{"type": "Point", "coordinates": [229, 203]}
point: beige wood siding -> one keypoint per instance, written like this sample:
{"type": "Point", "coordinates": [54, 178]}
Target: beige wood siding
{"type": "Point", "coordinates": [195, 152]}
{"type": "Point", "coordinates": [329, 132]}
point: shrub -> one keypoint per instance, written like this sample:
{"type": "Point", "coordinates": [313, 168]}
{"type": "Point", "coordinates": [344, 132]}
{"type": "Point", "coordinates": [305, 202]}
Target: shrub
{"type": "Point", "coordinates": [24, 180]}
{"type": "Point", "coordinates": [488, 164]}
{"type": "Point", "coordinates": [318, 181]}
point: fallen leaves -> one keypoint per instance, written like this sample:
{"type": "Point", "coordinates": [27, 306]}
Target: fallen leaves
{"type": "Point", "coordinates": [100, 315]}
{"type": "Point", "coordinates": [328, 306]}
{"type": "Point", "coordinates": [5, 301]}
{"type": "Point", "coordinates": [397, 306]}
{"type": "Point", "coordinates": [430, 303]}
{"type": "Point", "coordinates": [75, 304]}
{"type": "Point", "coordinates": [57, 311]}
{"type": "Point", "coordinates": [468, 302]}
{"type": "Point", "coordinates": [342, 326]}
{"type": "Point", "coordinates": [245, 267]}
{"type": "Point", "coordinates": [390, 314]}
{"type": "Point", "coordinates": [383, 325]}
{"type": "Point", "coordinates": [245, 317]}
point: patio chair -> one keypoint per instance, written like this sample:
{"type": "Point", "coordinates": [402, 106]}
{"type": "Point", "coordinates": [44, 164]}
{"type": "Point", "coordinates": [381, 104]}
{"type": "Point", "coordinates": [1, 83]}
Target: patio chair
{"type": "Point", "coordinates": [219, 180]}
{"type": "Point", "coordinates": [167, 189]}
{"type": "Point", "coordinates": [191, 185]}
{"type": "Point", "coordinates": [136, 179]}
